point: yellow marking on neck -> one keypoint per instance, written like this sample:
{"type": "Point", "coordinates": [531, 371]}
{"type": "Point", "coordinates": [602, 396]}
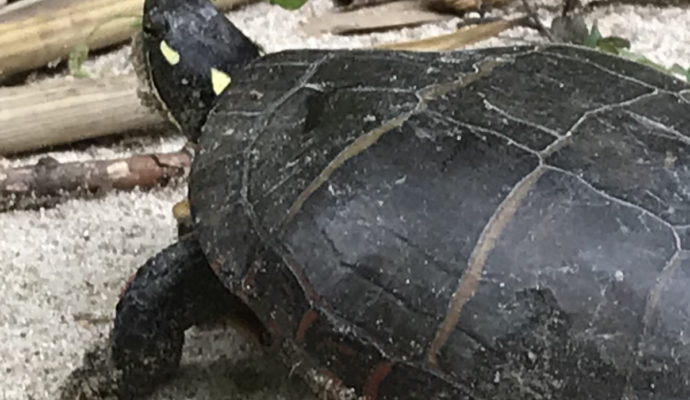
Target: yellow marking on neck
{"type": "Point", "coordinates": [170, 55]}
{"type": "Point", "coordinates": [219, 81]}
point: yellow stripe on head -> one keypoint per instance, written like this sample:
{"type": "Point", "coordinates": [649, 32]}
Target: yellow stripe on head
{"type": "Point", "coordinates": [219, 81]}
{"type": "Point", "coordinates": [170, 55]}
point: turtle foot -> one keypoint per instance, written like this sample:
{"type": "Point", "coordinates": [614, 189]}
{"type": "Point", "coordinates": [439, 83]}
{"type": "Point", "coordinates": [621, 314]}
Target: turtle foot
{"type": "Point", "coordinates": [171, 292]}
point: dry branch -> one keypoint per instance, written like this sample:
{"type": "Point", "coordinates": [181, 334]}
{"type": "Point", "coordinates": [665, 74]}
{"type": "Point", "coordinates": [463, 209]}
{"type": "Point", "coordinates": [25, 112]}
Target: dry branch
{"type": "Point", "coordinates": [48, 181]}
{"type": "Point", "coordinates": [459, 7]}
{"type": "Point", "coordinates": [462, 37]}
{"type": "Point", "coordinates": [55, 112]}
{"type": "Point", "coordinates": [35, 33]}
{"type": "Point", "coordinates": [656, 3]}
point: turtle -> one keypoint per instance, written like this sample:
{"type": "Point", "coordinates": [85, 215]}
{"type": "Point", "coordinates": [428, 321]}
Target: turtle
{"type": "Point", "coordinates": [498, 223]}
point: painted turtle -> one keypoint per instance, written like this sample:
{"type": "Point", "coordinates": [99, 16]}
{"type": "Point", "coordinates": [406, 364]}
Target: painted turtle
{"type": "Point", "coordinates": [505, 223]}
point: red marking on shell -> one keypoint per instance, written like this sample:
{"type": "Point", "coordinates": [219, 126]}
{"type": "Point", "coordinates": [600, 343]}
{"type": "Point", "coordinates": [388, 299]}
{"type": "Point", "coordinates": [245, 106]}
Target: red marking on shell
{"type": "Point", "coordinates": [344, 349]}
{"type": "Point", "coordinates": [215, 265]}
{"type": "Point", "coordinates": [248, 281]}
{"type": "Point", "coordinates": [307, 319]}
{"type": "Point", "coordinates": [274, 330]}
{"type": "Point", "coordinates": [126, 286]}
{"type": "Point", "coordinates": [380, 372]}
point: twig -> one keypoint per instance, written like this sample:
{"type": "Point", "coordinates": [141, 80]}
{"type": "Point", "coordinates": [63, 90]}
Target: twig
{"type": "Point", "coordinates": [49, 182]}
{"type": "Point", "coordinates": [86, 318]}
{"type": "Point", "coordinates": [462, 7]}
{"type": "Point", "coordinates": [462, 37]}
{"type": "Point", "coordinates": [537, 22]}
{"type": "Point", "coordinates": [569, 6]}
{"type": "Point", "coordinates": [657, 3]}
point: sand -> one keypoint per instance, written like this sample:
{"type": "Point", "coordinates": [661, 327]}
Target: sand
{"type": "Point", "coordinates": [63, 268]}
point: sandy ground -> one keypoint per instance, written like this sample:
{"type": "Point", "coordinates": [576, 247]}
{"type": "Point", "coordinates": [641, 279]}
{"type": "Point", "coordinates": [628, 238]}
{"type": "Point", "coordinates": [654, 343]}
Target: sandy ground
{"type": "Point", "coordinates": [63, 268]}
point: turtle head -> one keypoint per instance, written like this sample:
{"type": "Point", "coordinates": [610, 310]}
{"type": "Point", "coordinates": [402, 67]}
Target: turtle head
{"type": "Point", "coordinates": [189, 50]}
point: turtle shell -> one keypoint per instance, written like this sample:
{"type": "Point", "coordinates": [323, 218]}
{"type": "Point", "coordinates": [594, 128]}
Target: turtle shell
{"type": "Point", "coordinates": [507, 223]}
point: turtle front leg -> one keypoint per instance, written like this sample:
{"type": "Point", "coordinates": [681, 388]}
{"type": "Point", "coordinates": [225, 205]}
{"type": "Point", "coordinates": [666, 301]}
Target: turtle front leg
{"type": "Point", "coordinates": [171, 292]}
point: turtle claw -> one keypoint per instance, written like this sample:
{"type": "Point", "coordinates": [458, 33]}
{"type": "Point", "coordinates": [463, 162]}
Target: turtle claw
{"type": "Point", "coordinates": [96, 379]}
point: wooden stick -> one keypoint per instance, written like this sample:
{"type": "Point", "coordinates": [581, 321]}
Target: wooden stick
{"type": "Point", "coordinates": [455, 40]}
{"type": "Point", "coordinates": [460, 7]}
{"type": "Point", "coordinates": [55, 112]}
{"type": "Point", "coordinates": [48, 182]}
{"type": "Point", "coordinates": [34, 33]}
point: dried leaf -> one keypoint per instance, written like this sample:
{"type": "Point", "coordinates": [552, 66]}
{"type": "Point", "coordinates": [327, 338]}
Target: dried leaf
{"type": "Point", "coordinates": [462, 37]}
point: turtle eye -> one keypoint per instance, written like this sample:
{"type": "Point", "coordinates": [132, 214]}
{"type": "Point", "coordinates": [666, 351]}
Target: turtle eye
{"type": "Point", "coordinates": [155, 25]}
{"type": "Point", "coordinates": [148, 29]}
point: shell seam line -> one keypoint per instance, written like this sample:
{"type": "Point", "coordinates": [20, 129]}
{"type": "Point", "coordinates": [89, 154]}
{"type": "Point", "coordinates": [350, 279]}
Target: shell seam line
{"type": "Point", "coordinates": [608, 71]}
{"type": "Point", "coordinates": [564, 140]}
{"type": "Point", "coordinates": [621, 202]}
{"type": "Point", "coordinates": [366, 140]}
{"type": "Point", "coordinates": [469, 281]}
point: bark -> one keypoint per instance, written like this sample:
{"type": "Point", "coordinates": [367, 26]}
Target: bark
{"type": "Point", "coordinates": [49, 182]}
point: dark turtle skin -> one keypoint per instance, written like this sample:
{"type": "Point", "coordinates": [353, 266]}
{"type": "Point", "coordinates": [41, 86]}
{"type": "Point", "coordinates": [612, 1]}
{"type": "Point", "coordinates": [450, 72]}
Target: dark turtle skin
{"type": "Point", "coordinates": [507, 223]}
{"type": "Point", "coordinates": [203, 39]}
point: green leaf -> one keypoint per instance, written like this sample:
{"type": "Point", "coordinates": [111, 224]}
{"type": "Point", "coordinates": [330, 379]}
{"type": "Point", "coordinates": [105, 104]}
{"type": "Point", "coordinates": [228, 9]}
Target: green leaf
{"type": "Point", "coordinates": [684, 72]}
{"type": "Point", "coordinates": [607, 47]}
{"type": "Point", "coordinates": [614, 43]}
{"type": "Point", "coordinates": [136, 22]}
{"type": "Point", "coordinates": [621, 46]}
{"type": "Point", "coordinates": [593, 37]}
{"type": "Point", "coordinates": [75, 60]}
{"type": "Point", "coordinates": [289, 4]}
